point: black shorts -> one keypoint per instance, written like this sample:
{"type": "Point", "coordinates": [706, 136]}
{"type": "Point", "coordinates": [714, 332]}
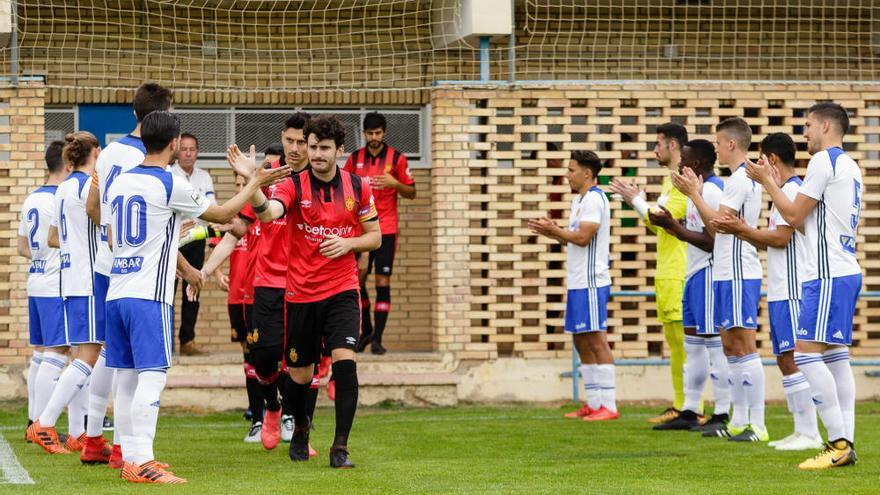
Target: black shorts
{"type": "Point", "coordinates": [335, 320]}
{"type": "Point", "coordinates": [239, 322]}
{"type": "Point", "coordinates": [384, 256]}
{"type": "Point", "coordinates": [268, 318]}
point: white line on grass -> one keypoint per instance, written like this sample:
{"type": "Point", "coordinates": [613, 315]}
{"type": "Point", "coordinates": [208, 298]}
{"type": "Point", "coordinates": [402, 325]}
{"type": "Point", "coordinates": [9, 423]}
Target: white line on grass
{"type": "Point", "coordinates": [13, 471]}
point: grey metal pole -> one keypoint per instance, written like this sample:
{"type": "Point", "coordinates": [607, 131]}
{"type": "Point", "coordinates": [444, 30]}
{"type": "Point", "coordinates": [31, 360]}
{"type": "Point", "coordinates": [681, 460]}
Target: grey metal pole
{"type": "Point", "coordinates": [511, 44]}
{"type": "Point", "coordinates": [14, 42]}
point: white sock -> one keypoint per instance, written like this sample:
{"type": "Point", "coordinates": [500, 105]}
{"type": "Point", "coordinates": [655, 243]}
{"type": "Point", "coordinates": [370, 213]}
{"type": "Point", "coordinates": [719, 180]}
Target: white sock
{"type": "Point", "coordinates": [126, 384]}
{"type": "Point", "coordinates": [740, 416]}
{"type": "Point", "coordinates": [145, 413]}
{"type": "Point", "coordinates": [36, 360]}
{"type": "Point", "coordinates": [69, 384]}
{"type": "Point", "coordinates": [585, 381]}
{"type": "Point", "coordinates": [99, 395]}
{"type": "Point", "coordinates": [837, 360]}
{"type": "Point", "coordinates": [800, 403]}
{"type": "Point", "coordinates": [50, 369]}
{"type": "Point", "coordinates": [116, 438]}
{"type": "Point", "coordinates": [77, 411]}
{"type": "Point", "coordinates": [591, 386]}
{"type": "Point", "coordinates": [606, 386]}
{"type": "Point", "coordinates": [753, 385]}
{"type": "Point", "coordinates": [696, 370]}
{"type": "Point", "coordinates": [720, 374]}
{"type": "Point", "coordinates": [824, 392]}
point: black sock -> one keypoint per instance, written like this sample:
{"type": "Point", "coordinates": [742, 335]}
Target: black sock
{"type": "Point", "coordinates": [298, 400]}
{"type": "Point", "coordinates": [284, 389]}
{"type": "Point", "coordinates": [366, 322]}
{"type": "Point", "coordinates": [383, 306]}
{"type": "Point", "coordinates": [345, 373]}
{"type": "Point", "coordinates": [255, 399]}
{"type": "Point", "coordinates": [270, 395]}
{"type": "Point", "coordinates": [311, 401]}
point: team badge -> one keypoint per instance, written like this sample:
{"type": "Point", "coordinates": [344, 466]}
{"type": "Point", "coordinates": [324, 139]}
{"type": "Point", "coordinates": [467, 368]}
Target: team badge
{"type": "Point", "coordinates": [349, 204]}
{"type": "Point", "coordinates": [234, 334]}
{"type": "Point", "coordinates": [253, 337]}
{"type": "Point", "coordinates": [293, 355]}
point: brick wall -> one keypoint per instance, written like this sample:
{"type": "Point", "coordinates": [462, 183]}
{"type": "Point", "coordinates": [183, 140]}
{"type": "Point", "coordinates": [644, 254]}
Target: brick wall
{"type": "Point", "coordinates": [21, 170]}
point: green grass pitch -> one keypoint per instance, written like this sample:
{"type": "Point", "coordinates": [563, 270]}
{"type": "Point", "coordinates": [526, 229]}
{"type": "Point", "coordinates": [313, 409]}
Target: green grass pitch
{"type": "Point", "coordinates": [468, 449]}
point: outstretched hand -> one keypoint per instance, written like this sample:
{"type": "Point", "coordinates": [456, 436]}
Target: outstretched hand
{"type": "Point", "coordinates": [625, 189]}
{"type": "Point", "coordinates": [243, 165]}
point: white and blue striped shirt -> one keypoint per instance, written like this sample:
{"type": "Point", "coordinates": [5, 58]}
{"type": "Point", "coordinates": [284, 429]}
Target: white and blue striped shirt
{"type": "Point", "coordinates": [144, 205]}
{"type": "Point", "coordinates": [783, 264]}
{"type": "Point", "coordinates": [734, 258]}
{"type": "Point", "coordinates": [835, 181]}
{"type": "Point", "coordinates": [587, 266]}
{"type": "Point", "coordinates": [36, 217]}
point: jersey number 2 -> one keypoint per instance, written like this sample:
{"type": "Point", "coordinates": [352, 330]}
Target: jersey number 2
{"type": "Point", "coordinates": [33, 216]}
{"type": "Point", "coordinates": [131, 220]}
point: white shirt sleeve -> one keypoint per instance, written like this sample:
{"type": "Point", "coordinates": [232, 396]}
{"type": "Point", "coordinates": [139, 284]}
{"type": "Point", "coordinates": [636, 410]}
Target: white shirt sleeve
{"type": "Point", "coordinates": [185, 199]}
{"type": "Point", "coordinates": [592, 209]}
{"type": "Point", "coordinates": [818, 174]}
{"type": "Point", "coordinates": [735, 190]}
{"type": "Point", "coordinates": [791, 192]}
{"type": "Point", "coordinates": [57, 209]}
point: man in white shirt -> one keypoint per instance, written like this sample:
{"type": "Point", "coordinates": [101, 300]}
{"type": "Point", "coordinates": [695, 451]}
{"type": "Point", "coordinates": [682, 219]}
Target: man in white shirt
{"type": "Point", "coordinates": [828, 206]}
{"type": "Point", "coordinates": [736, 274]}
{"type": "Point", "coordinates": [587, 241]}
{"type": "Point", "coordinates": [194, 252]}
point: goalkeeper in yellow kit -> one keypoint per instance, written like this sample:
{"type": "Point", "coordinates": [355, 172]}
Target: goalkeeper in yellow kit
{"type": "Point", "coordinates": [670, 270]}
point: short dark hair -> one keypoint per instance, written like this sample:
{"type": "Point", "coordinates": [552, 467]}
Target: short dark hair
{"type": "Point", "coordinates": [375, 120]}
{"type": "Point", "coordinates": [191, 136]}
{"type": "Point", "coordinates": [781, 145]}
{"type": "Point", "coordinates": [326, 127]}
{"type": "Point", "coordinates": [674, 130]}
{"type": "Point", "coordinates": [54, 161]}
{"type": "Point", "coordinates": [297, 121]}
{"type": "Point", "coordinates": [704, 152]}
{"type": "Point", "coordinates": [274, 149]}
{"type": "Point", "coordinates": [828, 110]}
{"type": "Point", "coordinates": [158, 129]}
{"type": "Point", "coordinates": [588, 159]}
{"type": "Point", "coordinates": [150, 97]}
{"type": "Point", "coordinates": [738, 129]}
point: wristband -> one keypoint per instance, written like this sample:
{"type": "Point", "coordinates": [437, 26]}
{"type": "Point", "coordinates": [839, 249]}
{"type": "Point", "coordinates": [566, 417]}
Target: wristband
{"type": "Point", "coordinates": [261, 207]}
{"type": "Point", "coordinates": [641, 206]}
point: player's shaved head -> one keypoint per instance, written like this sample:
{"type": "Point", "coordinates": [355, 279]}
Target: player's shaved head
{"type": "Point", "coordinates": [738, 130]}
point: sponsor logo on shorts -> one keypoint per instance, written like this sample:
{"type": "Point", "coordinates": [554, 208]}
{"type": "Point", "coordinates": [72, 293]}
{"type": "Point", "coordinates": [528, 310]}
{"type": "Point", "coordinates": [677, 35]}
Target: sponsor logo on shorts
{"type": "Point", "coordinates": [121, 266]}
{"type": "Point", "coordinates": [802, 331]}
{"type": "Point", "coordinates": [580, 326]}
{"type": "Point", "coordinates": [350, 340]}
{"type": "Point", "coordinates": [785, 344]}
{"type": "Point", "coordinates": [725, 323]}
{"type": "Point", "coordinates": [750, 321]}
{"type": "Point", "coordinates": [837, 335]}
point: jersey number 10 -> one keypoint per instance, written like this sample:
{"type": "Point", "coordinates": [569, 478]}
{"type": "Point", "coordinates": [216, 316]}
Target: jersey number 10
{"type": "Point", "coordinates": [131, 220]}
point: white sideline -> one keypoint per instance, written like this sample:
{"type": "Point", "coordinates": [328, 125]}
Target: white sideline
{"type": "Point", "coordinates": [13, 472]}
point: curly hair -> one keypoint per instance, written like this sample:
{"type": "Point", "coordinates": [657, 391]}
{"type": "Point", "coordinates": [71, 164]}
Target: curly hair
{"type": "Point", "coordinates": [326, 127]}
{"type": "Point", "coordinates": [77, 147]}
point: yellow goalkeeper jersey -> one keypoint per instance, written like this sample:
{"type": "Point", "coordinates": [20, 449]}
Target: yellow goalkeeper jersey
{"type": "Point", "coordinates": [671, 258]}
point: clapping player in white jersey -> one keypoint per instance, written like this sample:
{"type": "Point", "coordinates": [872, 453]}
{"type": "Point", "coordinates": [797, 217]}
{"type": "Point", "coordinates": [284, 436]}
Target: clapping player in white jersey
{"type": "Point", "coordinates": [736, 281]}
{"type": "Point", "coordinates": [785, 261]}
{"type": "Point", "coordinates": [828, 206]}
{"type": "Point", "coordinates": [146, 204]}
{"type": "Point", "coordinates": [45, 306]}
{"type": "Point", "coordinates": [589, 283]}
{"type": "Point", "coordinates": [76, 235]}
{"type": "Point", "coordinates": [702, 343]}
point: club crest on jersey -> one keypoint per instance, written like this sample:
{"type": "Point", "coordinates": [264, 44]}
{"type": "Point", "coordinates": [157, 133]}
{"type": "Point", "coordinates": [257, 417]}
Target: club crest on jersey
{"type": "Point", "coordinates": [349, 204]}
{"type": "Point", "coordinates": [293, 355]}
